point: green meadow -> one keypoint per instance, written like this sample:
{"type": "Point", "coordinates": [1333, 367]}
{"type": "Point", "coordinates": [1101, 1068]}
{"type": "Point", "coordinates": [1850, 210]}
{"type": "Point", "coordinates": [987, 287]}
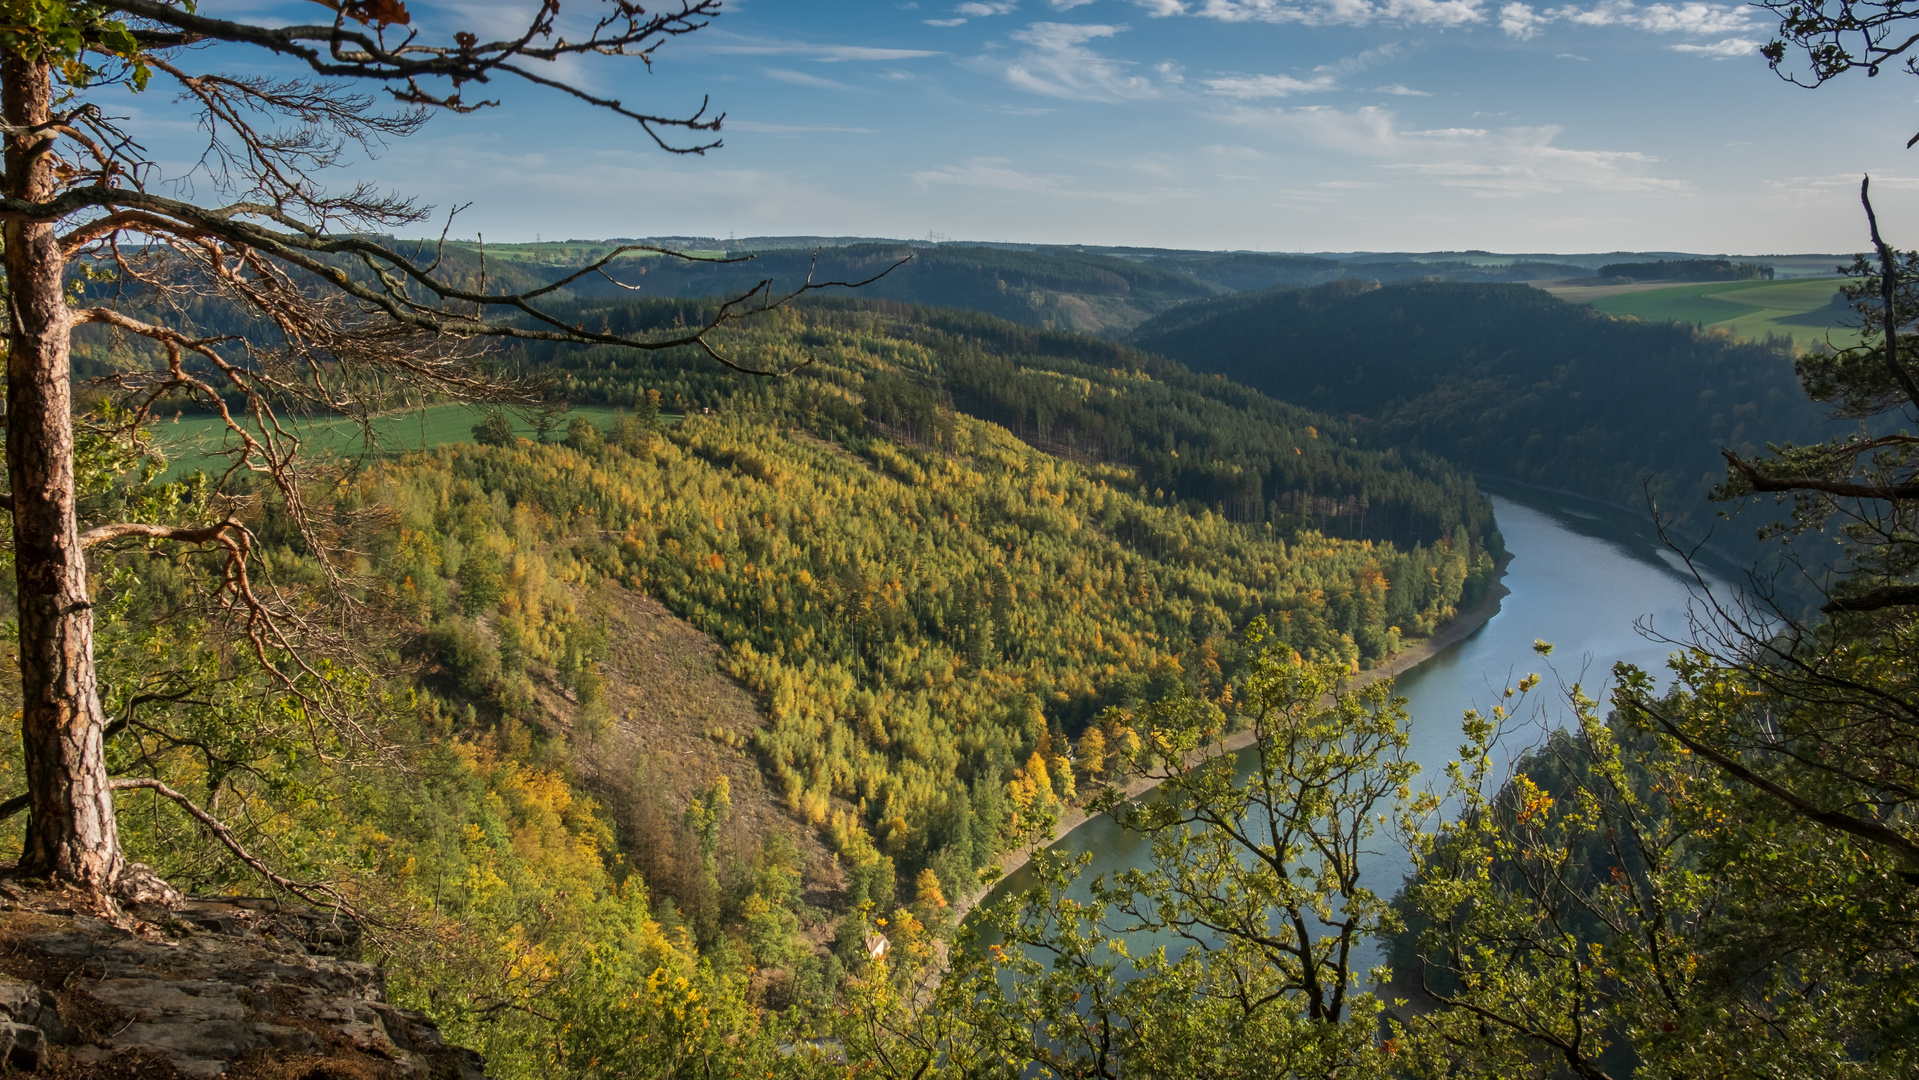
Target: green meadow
{"type": "Point", "coordinates": [1750, 310]}
{"type": "Point", "coordinates": [195, 442]}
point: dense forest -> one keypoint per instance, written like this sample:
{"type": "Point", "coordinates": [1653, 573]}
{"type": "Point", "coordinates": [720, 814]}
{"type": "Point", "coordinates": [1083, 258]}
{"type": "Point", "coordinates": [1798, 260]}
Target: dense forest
{"type": "Point", "coordinates": [1687, 270]}
{"type": "Point", "coordinates": [1509, 381]}
{"type": "Point", "coordinates": [950, 560]}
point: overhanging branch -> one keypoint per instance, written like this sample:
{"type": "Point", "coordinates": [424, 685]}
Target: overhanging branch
{"type": "Point", "coordinates": [1875, 599]}
{"type": "Point", "coordinates": [1761, 482]}
{"type": "Point", "coordinates": [1869, 831]}
{"type": "Point", "coordinates": [304, 247]}
{"type": "Point", "coordinates": [206, 535]}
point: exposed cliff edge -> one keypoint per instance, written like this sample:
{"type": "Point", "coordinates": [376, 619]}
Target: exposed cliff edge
{"type": "Point", "coordinates": [247, 989]}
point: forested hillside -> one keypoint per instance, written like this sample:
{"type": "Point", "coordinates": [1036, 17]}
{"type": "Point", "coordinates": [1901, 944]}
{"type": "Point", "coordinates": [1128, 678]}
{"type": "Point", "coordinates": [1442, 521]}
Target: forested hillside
{"type": "Point", "coordinates": [1507, 380]}
{"type": "Point", "coordinates": [1056, 288]}
{"type": "Point", "coordinates": [1195, 439]}
{"type": "Point", "coordinates": [947, 560]}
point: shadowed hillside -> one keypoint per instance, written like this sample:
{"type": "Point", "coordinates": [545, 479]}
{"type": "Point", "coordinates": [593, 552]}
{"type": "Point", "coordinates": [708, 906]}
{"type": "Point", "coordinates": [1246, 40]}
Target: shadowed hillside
{"type": "Point", "coordinates": [1506, 380]}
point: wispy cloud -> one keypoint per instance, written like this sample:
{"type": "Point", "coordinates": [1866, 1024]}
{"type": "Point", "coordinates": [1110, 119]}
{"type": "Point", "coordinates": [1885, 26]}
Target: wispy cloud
{"type": "Point", "coordinates": [977, 9]}
{"type": "Point", "coordinates": [1254, 87]}
{"type": "Point", "coordinates": [801, 78]}
{"type": "Point", "coordinates": [825, 54]}
{"type": "Point", "coordinates": [1401, 91]}
{"type": "Point", "coordinates": [1361, 61]}
{"type": "Point", "coordinates": [1057, 63]}
{"type": "Point", "coordinates": [1721, 50]}
{"type": "Point", "coordinates": [1490, 162]}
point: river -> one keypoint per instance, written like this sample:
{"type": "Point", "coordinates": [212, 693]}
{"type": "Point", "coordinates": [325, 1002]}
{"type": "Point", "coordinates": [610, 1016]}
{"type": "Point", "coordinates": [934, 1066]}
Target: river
{"type": "Point", "coordinates": [1585, 576]}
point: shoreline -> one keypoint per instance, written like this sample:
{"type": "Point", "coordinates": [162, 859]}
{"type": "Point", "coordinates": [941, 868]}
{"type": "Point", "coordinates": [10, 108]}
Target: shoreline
{"type": "Point", "coordinates": [1444, 636]}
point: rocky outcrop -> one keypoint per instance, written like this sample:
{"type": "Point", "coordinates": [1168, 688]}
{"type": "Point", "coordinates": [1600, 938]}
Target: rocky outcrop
{"type": "Point", "coordinates": [238, 988]}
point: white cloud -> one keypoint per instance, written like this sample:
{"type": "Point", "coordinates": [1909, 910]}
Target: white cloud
{"type": "Point", "coordinates": [1328, 12]}
{"type": "Point", "coordinates": [1434, 12]}
{"type": "Point", "coordinates": [1066, 5]}
{"type": "Point", "coordinates": [1252, 87]}
{"type": "Point", "coordinates": [1687, 18]}
{"type": "Point", "coordinates": [1721, 50]}
{"type": "Point", "coordinates": [975, 9]}
{"type": "Point", "coordinates": [1057, 63]}
{"type": "Point", "coordinates": [1521, 21]}
{"type": "Point", "coordinates": [1058, 37]}
{"type": "Point", "coordinates": [1401, 91]}
{"type": "Point", "coordinates": [1524, 22]}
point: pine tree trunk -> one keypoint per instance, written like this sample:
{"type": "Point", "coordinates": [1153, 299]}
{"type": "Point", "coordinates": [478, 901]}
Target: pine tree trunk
{"type": "Point", "coordinates": [71, 834]}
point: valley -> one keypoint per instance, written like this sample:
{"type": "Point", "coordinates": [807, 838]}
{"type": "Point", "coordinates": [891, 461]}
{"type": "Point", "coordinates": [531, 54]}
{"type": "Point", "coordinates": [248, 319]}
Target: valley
{"type": "Point", "coordinates": [733, 678]}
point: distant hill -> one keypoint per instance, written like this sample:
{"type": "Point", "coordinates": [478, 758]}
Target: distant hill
{"type": "Point", "coordinates": [1507, 380]}
{"type": "Point", "coordinates": [1052, 289]}
{"type": "Point", "coordinates": [1103, 291]}
{"type": "Point", "coordinates": [1241, 271]}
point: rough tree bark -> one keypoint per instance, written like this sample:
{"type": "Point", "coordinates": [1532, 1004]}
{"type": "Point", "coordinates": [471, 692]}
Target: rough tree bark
{"type": "Point", "coordinates": [272, 240]}
{"type": "Point", "coordinates": [71, 832]}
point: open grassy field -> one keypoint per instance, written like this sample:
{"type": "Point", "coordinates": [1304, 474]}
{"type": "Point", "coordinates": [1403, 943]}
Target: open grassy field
{"type": "Point", "coordinates": [1800, 309]}
{"type": "Point", "coordinates": [192, 442]}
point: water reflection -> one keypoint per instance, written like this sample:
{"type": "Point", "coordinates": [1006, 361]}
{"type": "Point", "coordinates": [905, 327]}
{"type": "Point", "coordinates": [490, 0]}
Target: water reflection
{"type": "Point", "coordinates": [1585, 577]}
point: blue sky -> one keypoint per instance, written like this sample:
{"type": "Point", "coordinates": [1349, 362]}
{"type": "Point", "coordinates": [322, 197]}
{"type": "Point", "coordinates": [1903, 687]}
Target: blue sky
{"type": "Point", "coordinates": [1278, 125]}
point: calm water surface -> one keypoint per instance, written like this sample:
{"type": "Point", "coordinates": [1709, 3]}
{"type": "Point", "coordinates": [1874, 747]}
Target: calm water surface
{"type": "Point", "coordinates": [1584, 576]}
